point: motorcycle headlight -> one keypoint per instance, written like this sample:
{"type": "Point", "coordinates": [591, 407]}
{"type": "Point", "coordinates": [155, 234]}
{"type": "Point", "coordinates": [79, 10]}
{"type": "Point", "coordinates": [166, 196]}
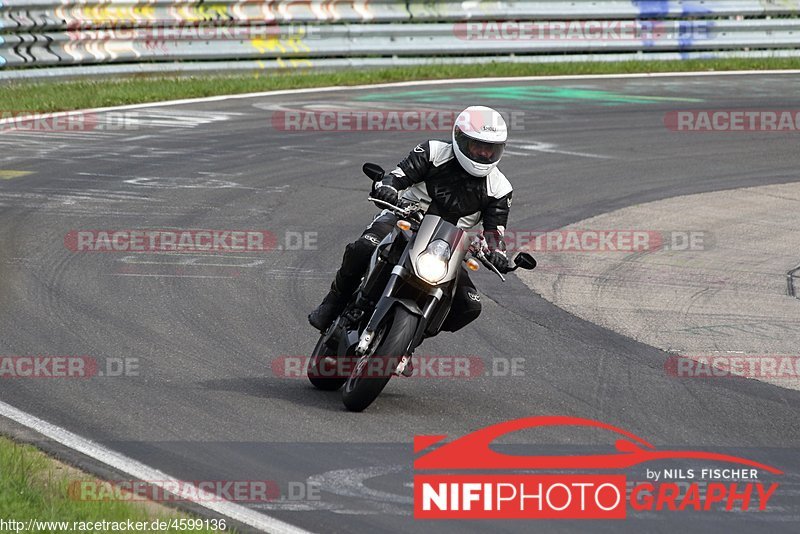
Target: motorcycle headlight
{"type": "Point", "coordinates": [432, 264]}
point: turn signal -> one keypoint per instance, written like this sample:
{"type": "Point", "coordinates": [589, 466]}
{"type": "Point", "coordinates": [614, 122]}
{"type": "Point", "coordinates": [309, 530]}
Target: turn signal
{"type": "Point", "coordinates": [473, 265]}
{"type": "Point", "coordinates": [404, 225]}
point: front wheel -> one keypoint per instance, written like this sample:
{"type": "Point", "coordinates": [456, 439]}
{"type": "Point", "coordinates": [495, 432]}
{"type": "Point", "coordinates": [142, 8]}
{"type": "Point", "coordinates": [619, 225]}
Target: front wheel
{"type": "Point", "coordinates": [373, 371]}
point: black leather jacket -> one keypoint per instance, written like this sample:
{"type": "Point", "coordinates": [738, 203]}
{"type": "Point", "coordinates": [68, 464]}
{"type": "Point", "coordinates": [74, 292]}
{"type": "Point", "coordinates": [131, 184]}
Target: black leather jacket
{"type": "Point", "coordinates": [431, 175]}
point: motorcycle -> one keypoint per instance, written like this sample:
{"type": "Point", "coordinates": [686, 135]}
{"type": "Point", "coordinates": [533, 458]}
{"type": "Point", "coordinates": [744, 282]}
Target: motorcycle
{"type": "Point", "coordinates": [404, 297]}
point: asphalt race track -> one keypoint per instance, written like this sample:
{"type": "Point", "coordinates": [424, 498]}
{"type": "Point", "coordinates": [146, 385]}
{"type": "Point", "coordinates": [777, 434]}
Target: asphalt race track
{"type": "Point", "coordinates": [207, 401]}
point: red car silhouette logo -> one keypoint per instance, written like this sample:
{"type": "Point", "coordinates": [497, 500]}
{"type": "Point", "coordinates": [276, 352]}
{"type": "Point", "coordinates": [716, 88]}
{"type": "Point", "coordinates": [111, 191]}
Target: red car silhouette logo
{"type": "Point", "coordinates": [473, 451]}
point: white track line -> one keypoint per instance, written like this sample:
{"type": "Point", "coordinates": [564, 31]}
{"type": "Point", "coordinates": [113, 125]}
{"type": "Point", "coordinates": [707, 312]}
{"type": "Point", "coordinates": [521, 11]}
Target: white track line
{"type": "Point", "coordinates": [141, 471]}
{"type": "Point", "coordinates": [221, 98]}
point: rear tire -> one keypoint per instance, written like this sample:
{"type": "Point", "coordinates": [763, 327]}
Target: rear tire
{"type": "Point", "coordinates": [321, 372]}
{"type": "Point", "coordinates": [365, 383]}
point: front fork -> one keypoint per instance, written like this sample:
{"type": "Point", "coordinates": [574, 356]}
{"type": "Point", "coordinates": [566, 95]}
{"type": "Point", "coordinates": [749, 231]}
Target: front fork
{"type": "Point", "coordinates": [384, 306]}
{"type": "Point", "coordinates": [381, 309]}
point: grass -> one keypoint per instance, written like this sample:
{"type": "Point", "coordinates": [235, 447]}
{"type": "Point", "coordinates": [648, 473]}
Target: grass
{"type": "Point", "coordinates": [34, 486]}
{"type": "Point", "coordinates": [68, 95]}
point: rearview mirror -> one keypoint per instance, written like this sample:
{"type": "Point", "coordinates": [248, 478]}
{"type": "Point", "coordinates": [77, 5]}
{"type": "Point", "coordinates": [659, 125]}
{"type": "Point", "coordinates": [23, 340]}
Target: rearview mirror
{"type": "Point", "coordinates": [374, 171]}
{"type": "Point", "coordinates": [523, 260]}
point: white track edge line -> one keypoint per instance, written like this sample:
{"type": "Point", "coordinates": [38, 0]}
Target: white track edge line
{"type": "Point", "coordinates": [141, 471]}
{"type": "Point", "coordinates": [219, 98]}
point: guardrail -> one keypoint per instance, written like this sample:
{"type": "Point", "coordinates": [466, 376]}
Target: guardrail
{"type": "Point", "coordinates": [94, 36]}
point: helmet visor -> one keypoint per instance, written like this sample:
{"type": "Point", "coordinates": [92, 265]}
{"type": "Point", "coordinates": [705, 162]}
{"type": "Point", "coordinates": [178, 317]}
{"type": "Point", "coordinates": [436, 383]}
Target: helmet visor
{"type": "Point", "coordinates": [477, 150]}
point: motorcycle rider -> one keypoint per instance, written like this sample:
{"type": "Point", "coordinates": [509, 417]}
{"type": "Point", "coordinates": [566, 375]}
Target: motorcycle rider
{"type": "Point", "coordinates": [458, 181]}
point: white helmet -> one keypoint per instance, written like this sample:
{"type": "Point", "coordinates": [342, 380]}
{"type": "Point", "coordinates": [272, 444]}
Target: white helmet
{"type": "Point", "coordinates": [479, 138]}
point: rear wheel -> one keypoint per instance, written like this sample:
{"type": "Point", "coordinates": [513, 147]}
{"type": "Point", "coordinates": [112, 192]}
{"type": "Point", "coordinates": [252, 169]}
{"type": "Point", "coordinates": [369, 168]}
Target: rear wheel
{"type": "Point", "coordinates": [323, 369]}
{"type": "Point", "coordinates": [373, 371]}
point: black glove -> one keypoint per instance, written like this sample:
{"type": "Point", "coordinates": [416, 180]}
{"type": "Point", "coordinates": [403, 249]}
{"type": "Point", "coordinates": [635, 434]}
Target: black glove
{"type": "Point", "coordinates": [385, 192]}
{"type": "Point", "coordinates": [499, 260]}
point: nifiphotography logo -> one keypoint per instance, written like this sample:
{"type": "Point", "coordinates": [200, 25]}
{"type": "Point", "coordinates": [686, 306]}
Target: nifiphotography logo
{"type": "Point", "coordinates": [467, 479]}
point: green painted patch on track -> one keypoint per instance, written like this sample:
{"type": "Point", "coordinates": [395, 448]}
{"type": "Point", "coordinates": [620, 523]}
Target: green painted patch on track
{"type": "Point", "coordinates": [524, 93]}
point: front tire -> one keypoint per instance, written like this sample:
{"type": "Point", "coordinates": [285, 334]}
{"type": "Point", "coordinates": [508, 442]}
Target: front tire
{"type": "Point", "coordinates": [365, 383]}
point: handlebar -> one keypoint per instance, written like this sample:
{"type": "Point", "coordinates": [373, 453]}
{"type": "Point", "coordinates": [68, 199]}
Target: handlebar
{"type": "Point", "coordinates": [478, 248]}
{"type": "Point", "coordinates": [408, 211]}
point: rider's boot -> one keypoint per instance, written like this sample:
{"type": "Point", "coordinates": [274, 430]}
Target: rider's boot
{"type": "Point", "coordinates": [332, 305]}
{"type": "Point", "coordinates": [354, 264]}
